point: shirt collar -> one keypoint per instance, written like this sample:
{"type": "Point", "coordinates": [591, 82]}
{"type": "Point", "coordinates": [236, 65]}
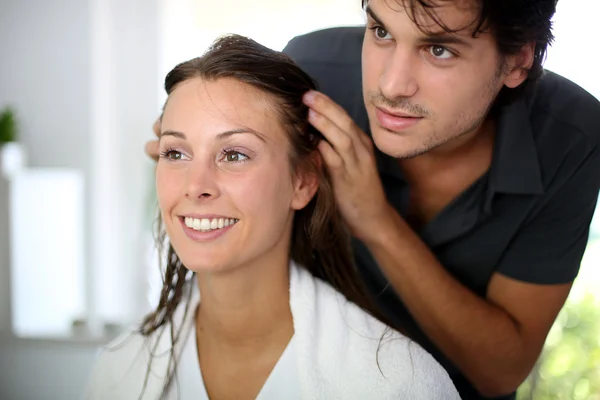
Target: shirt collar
{"type": "Point", "coordinates": [515, 165]}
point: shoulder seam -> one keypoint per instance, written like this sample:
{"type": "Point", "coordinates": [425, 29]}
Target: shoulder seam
{"type": "Point", "coordinates": [592, 141]}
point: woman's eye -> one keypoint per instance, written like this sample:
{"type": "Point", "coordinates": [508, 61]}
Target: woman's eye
{"type": "Point", "coordinates": [440, 52]}
{"type": "Point", "coordinates": [172, 155]}
{"type": "Point", "coordinates": [235, 156]}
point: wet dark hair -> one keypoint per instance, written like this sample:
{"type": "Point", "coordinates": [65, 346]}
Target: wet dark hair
{"type": "Point", "coordinates": [513, 24]}
{"type": "Point", "coordinates": [320, 241]}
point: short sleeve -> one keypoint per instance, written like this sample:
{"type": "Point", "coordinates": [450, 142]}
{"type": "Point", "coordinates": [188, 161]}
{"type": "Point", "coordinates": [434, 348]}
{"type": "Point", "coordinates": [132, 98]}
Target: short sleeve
{"type": "Point", "coordinates": [549, 248]}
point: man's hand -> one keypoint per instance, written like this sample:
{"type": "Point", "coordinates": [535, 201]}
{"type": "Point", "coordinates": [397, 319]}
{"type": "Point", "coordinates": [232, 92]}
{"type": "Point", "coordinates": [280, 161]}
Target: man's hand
{"type": "Point", "coordinates": [152, 146]}
{"type": "Point", "coordinates": [349, 155]}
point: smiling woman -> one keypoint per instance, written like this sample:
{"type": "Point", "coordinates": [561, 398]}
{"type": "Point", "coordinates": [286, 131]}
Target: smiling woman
{"type": "Point", "coordinates": [259, 288]}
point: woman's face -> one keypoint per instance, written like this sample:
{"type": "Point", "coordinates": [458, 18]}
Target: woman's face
{"type": "Point", "coordinates": [225, 186]}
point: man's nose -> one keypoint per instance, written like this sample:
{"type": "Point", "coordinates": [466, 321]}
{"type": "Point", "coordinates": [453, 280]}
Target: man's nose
{"type": "Point", "coordinates": [398, 79]}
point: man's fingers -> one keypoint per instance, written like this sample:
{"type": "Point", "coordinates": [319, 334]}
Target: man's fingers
{"type": "Point", "coordinates": [156, 128]}
{"type": "Point", "coordinates": [332, 159]}
{"type": "Point", "coordinates": [367, 143]}
{"type": "Point", "coordinates": [338, 139]}
{"type": "Point", "coordinates": [152, 149]}
{"type": "Point", "coordinates": [332, 111]}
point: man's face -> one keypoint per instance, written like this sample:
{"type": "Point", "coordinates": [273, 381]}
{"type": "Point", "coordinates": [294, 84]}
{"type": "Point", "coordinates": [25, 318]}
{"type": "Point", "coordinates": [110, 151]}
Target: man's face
{"type": "Point", "coordinates": [424, 89]}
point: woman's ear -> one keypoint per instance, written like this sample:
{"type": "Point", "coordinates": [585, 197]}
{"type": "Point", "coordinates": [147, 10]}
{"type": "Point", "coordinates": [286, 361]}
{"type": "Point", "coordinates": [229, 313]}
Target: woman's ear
{"type": "Point", "coordinates": [306, 181]}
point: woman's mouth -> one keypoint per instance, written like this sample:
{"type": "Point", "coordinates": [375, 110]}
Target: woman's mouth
{"type": "Point", "coordinates": [208, 224]}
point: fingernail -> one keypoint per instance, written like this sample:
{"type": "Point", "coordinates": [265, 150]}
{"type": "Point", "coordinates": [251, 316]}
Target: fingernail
{"type": "Point", "coordinates": [309, 97]}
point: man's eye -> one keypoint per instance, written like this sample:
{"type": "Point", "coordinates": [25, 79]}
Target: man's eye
{"type": "Point", "coordinates": [380, 32]}
{"type": "Point", "coordinates": [440, 52]}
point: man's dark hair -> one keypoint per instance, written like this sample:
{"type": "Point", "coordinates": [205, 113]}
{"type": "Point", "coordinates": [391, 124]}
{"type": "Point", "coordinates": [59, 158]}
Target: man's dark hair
{"type": "Point", "coordinates": [513, 23]}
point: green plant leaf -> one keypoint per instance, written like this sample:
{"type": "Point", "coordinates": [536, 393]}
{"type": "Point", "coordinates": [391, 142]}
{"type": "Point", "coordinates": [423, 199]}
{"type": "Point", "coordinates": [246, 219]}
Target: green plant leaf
{"type": "Point", "coordinates": [8, 126]}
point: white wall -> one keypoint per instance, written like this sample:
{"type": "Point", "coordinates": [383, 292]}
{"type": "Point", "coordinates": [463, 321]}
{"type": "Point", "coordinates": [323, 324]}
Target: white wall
{"type": "Point", "coordinates": [125, 104]}
{"type": "Point", "coordinates": [4, 259]}
{"type": "Point", "coordinates": [82, 77]}
{"type": "Point", "coordinates": [45, 76]}
{"type": "Point", "coordinates": [84, 85]}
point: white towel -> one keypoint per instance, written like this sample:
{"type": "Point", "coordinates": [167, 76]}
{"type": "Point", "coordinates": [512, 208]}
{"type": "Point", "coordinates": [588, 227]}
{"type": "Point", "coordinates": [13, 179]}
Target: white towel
{"type": "Point", "coordinates": [342, 353]}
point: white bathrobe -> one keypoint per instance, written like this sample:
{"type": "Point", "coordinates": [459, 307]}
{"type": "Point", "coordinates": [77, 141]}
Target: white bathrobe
{"type": "Point", "coordinates": [339, 352]}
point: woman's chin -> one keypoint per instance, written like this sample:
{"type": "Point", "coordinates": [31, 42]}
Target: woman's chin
{"type": "Point", "coordinates": [206, 266]}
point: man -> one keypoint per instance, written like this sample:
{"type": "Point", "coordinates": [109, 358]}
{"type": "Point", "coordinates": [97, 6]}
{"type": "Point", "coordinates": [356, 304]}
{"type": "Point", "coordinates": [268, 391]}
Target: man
{"type": "Point", "coordinates": [472, 211]}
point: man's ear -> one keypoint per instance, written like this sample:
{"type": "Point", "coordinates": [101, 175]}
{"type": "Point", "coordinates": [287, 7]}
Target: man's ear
{"type": "Point", "coordinates": [518, 65]}
{"type": "Point", "coordinates": [306, 181]}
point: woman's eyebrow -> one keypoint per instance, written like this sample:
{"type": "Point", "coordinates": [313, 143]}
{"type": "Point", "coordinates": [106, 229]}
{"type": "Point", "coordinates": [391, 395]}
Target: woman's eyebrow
{"type": "Point", "coordinates": [238, 131]}
{"type": "Point", "coordinates": [173, 133]}
{"type": "Point", "coordinates": [222, 135]}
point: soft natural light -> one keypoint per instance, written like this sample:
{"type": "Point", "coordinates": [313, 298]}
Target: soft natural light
{"type": "Point", "coordinates": [189, 26]}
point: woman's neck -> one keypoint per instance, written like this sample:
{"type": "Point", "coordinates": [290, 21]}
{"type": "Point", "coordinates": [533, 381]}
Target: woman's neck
{"type": "Point", "coordinates": [247, 307]}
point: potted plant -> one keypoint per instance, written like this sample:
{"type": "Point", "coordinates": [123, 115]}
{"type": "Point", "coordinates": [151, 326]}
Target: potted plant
{"type": "Point", "coordinates": [8, 127]}
{"type": "Point", "coordinates": [12, 157]}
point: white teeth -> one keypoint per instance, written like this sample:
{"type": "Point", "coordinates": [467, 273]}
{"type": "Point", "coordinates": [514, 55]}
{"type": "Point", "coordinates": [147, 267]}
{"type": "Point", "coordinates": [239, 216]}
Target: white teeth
{"type": "Point", "coordinates": [206, 224]}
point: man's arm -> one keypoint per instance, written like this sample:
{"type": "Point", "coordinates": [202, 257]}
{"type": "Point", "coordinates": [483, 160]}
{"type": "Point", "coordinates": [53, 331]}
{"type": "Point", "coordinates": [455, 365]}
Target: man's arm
{"type": "Point", "coordinates": [493, 341]}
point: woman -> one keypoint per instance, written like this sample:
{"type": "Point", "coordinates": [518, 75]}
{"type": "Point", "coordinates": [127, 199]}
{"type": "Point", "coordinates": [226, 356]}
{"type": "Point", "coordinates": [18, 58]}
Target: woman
{"type": "Point", "coordinates": [260, 298]}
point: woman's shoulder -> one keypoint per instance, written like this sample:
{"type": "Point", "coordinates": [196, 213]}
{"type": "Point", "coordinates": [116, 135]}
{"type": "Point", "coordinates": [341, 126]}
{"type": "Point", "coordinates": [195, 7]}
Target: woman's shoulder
{"type": "Point", "coordinates": [367, 356]}
{"type": "Point", "coordinates": [136, 363]}
{"type": "Point", "coordinates": [122, 366]}
{"type": "Point", "coordinates": [316, 302]}
{"type": "Point", "coordinates": [412, 370]}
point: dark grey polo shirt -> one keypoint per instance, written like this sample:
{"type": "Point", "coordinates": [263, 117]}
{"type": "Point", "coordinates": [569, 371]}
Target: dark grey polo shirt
{"type": "Point", "coordinates": [527, 218]}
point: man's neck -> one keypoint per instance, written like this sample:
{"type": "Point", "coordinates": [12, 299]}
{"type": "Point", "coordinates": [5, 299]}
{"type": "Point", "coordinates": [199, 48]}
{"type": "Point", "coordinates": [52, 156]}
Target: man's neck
{"type": "Point", "coordinates": [441, 175]}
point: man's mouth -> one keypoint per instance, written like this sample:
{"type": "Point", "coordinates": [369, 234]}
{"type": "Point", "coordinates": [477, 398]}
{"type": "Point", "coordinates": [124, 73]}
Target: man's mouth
{"type": "Point", "coordinates": [398, 114]}
{"type": "Point", "coordinates": [395, 121]}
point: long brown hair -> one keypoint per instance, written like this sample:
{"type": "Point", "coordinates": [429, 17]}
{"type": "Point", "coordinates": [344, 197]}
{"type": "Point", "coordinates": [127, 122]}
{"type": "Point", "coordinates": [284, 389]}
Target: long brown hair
{"type": "Point", "coordinates": [320, 240]}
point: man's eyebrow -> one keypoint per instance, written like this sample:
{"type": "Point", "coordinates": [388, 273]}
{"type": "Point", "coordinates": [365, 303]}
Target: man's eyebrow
{"type": "Point", "coordinates": [441, 37]}
{"type": "Point", "coordinates": [374, 16]}
{"type": "Point", "coordinates": [222, 135]}
{"type": "Point", "coordinates": [444, 38]}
